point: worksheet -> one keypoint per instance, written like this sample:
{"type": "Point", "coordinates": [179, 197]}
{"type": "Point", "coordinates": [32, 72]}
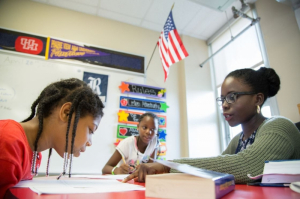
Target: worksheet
{"type": "Point", "coordinates": [65, 185]}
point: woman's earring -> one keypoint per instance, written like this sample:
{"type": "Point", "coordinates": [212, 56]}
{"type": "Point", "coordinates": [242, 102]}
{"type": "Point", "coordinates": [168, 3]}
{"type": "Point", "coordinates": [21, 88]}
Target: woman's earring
{"type": "Point", "coordinates": [258, 109]}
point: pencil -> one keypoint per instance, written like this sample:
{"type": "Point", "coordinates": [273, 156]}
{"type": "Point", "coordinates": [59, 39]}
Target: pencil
{"type": "Point", "coordinates": [123, 159]}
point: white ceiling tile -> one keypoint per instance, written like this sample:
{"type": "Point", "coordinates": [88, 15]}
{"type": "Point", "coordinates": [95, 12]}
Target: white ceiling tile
{"type": "Point", "coordinates": [159, 11]}
{"type": "Point", "coordinates": [119, 17]}
{"type": "Point", "coordinates": [219, 5]}
{"type": "Point", "coordinates": [184, 12]}
{"type": "Point", "coordinates": [199, 21]}
{"type": "Point", "coordinates": [190, 18]}
{"type": "Point", "coordinates": [88, 2]}
{"type": "Point", "coordinates": [199, 36]}
{"type": "Point", "coordinates": [74, 6]}
{"type": "Point", "coordinates": [214, 26]}
{"type": "Point", "coordinates": [152, 26]}
{"type": "Point", "coordinates": [133, 8]}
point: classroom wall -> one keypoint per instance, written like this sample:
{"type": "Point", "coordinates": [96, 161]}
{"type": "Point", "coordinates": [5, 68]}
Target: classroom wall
{"type": "Point", "coordinates": [201, 102]}
{"type": "Point", "coordinates": [188, 86]}
{"type": "Point", "coordinates": [282, 39]}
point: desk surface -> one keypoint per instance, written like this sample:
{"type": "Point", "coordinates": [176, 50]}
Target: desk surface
{"type": "Point", "coordinates": [241, 191]}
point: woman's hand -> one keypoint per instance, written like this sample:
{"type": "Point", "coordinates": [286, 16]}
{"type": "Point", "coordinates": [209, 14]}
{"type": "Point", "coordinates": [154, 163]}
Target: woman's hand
{"type": "Point", "coordinates": [146, 169]}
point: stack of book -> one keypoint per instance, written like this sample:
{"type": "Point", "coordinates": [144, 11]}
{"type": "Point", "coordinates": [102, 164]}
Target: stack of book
{"type": "Point", "coordinates": [192, 183]}
{"type": "Point", "coordinates": [279, 173]}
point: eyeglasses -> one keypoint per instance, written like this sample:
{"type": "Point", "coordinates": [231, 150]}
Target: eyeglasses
{"type": "Point", "coordinates": [231, 97]}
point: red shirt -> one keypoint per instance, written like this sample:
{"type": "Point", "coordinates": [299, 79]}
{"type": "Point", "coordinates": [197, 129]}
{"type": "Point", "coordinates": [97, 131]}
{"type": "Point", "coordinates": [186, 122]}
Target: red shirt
{"type": "Point", "coordinates": [15, 155]}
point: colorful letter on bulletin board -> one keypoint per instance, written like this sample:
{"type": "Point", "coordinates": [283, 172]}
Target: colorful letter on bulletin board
{"type": "Point", "coordinates": [143, 104]}
{"type": "Point", "coordinates": [117, 142]}
{"type": "Point", "coordinates": [125, 131]}
{"type": "Point", "coordinates": [162, 149]}
{"type": "Point", "coordinates": [143, 90]}
{"type": "Point", "coordinates": [130, 117]}
{"type": "Point", "coordinates": [98, 83]}
{"type": "Point", "coordinates": [162, 135]}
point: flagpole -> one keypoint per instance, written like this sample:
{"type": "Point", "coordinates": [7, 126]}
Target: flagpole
{"type": "Point", "coordinates": [156, 45]}
{"type": "Point", "coordinates": [151, 56]}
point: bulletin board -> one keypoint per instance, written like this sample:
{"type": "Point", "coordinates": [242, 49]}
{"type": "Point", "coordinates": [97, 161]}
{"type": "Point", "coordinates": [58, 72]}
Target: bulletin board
{"type": "Point", "coordinates": [22, 78]}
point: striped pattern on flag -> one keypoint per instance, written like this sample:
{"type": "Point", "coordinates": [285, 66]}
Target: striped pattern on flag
{"type": "Point", "coordinates": [171, 48]}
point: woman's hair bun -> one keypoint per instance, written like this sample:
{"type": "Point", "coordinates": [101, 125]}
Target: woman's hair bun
{"type": "Point", "coordinates": [272, 79]}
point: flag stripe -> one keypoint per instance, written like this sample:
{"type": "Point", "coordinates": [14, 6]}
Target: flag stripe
{"type": "Point", "coordinates": [164, 62]}
{"type": "Point", "coordinates": [166, 51]}
{"type": "Point", "coordinates": [181, 44]}
{"type": "Point", "coordinates": [173, 47]}
{"type": "Point", "coordinates": [176, 45]}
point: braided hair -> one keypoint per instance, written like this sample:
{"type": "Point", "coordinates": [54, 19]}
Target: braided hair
{"type": "Point", "coordinates": [265, 80]}
{"type": "Point", "coordinates": [84, 102]}
{"type": "Point", "coordinates": [148, 114]}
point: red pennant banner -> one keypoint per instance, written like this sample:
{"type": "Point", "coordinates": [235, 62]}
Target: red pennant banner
{"type": "Point", "coordinates": [28, 45]}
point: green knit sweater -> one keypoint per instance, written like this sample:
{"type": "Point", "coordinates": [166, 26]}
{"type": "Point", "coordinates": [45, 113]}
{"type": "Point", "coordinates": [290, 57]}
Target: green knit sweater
{"type": "Point", "coordinates": [277, 138]}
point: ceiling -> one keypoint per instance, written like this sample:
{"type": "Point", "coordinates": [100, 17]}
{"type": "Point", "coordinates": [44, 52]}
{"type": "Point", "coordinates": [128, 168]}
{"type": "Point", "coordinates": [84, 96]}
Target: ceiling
{"type": "Point", "coordinates": [190, 17]}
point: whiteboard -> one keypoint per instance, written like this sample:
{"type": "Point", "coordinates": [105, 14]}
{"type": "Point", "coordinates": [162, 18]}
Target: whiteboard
{"type": "Point", "coordinates": [22, 78]}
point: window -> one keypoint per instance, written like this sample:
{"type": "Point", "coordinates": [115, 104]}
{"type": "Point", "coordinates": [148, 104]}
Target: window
{"type": "Point", "coordinates": [246, 51]}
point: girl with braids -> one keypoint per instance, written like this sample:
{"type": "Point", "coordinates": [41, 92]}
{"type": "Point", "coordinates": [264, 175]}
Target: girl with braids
{"type": "Point", "coordinates": [64, 110]}
{"type": "Point", "coordinates": [135, 149]}
{"type": "Point", "coordinates": [243, 93]}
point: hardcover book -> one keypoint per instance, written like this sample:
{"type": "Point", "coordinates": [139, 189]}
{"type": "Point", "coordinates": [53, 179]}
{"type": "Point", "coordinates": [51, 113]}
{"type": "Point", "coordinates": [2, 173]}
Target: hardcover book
{"type": "Point", "coordinates": [192, 183]}
{"type": "Point", "coordinates": [279, 171]}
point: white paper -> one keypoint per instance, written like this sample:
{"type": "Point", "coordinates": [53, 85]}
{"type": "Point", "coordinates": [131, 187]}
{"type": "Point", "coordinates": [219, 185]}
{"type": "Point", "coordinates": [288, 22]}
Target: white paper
{"type": "Point", "coordinates": [50, 185]}
{"type": "Point", "coordinates": [275, 177]}
{"type": "Point", "coordinates": [282, 167]}
{"type": "Point", "coordinates": [115, 177]}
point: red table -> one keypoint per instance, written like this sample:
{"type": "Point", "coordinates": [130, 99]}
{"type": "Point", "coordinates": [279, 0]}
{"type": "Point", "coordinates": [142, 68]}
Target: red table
{"type": "Point", "coordinates": [241, 191]}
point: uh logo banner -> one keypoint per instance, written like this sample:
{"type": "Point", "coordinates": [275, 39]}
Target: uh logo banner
{"type": "Point", "coordinates": [98, 84]}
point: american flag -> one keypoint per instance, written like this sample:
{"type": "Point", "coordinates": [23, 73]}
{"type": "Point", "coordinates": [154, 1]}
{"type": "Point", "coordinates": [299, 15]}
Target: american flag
{"type": "Point", "coordinates": [171, 49]}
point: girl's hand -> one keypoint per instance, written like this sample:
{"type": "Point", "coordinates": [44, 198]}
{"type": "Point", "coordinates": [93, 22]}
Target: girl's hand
{"type": "Point", "coordinates": [123, 169]}
{"type": "Point", "coordinates": [146, 169]}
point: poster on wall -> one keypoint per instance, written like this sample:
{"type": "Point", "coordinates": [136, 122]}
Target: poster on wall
{"type": "Point", "coordinates": [57, 49]}
{"type": "Point", "coordinates": [11, 40]}
{"type": "Point", "coordinates": [124, 131]}
{"type": "Point", "coordinates": [98, 84]}
{"type": "Point", "coordinates": [143, 104]}
{"type": "Point", "coordinates": [22, 42]}
{"type": "Point", "coordinates": [131, 117]}
{"type": "Point", "coordinates": [162, 151]}
{"type": "Point", "coordinates": [143, 90]}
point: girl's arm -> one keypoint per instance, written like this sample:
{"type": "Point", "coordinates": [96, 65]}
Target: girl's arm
{"type": "Point", "coordinates": [113, 162]}
{"type": "Point", "coordinates": [154, 154]}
